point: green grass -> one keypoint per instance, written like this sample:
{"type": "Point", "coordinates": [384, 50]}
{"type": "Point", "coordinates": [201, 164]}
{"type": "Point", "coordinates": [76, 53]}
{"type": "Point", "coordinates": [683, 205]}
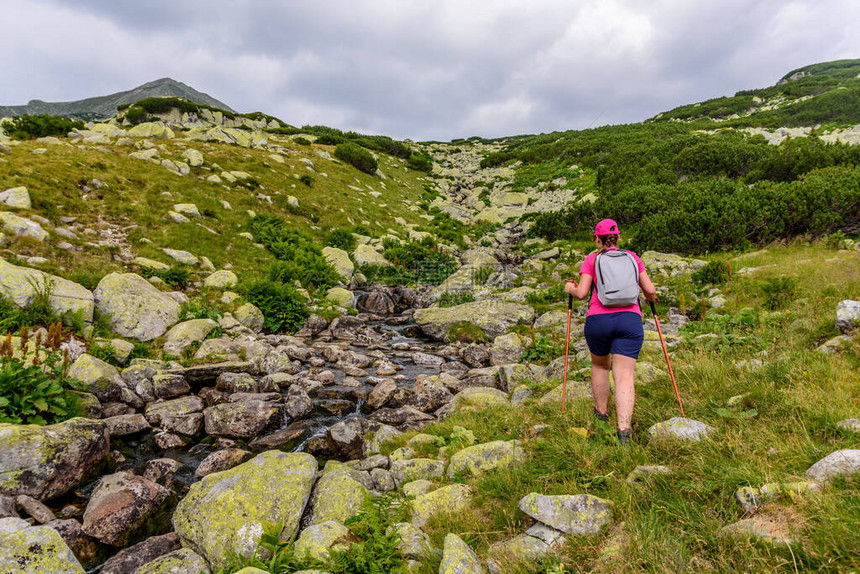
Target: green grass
{"type": "Point", "coordinates": [791, 405]}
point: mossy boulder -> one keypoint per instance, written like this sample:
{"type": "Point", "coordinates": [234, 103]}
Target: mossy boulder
{"type": "Point", "coordinates": [488, 456]}
{"type": "Point", "coordinates": [340, 260]}
{"type": "Point", "coordinates": [320, 539]}
{"type": "Point", "coordinates": [224, 279]}
{"type": "Point", "coordinates": [101, 379]}
{"type": "Point", "coordinates": [492, 316]}
{"type": "Point", "coordinates": [25, 548]}
{"type": "Point", "coordinates": [250, 316]}
{"type": "Point", "coordinates": [478, 398]}
{"type": "Point", "coordinates": [136, 308]}
{"type": "Point", "coordinates": [184, 334]}
{"type": "Point", "coordinates": [151, 130]}
{"type": "Point", "coordinates": [225, 511]}
{"type": "Point", "coordinates": [451, 498]}
{"type": "Point", "coordinates": [679, 428]}
{"type": "Point", "coordinates": [182, 561]}
{"type": "Point", "coordinates": [337, 495]}
{"type": "Point", "coordinates": [458, 558]}
{"type": "Point", "coordinates": [341, 296]}
{"type": "Point", "coordinates": [16, 225]}
{"type": "Point", "coordinates": [21, 285]}
{"type": "Point", "coordinates": [407, 470]}
{"type": "Point", "coordinates": [47, 461]}
{"type": "Point", "coordinates": [579, 514]}
{"type": "Point", "coordinates": [367, 255]}
{"type": "Point", "coordinates": [17, 197]}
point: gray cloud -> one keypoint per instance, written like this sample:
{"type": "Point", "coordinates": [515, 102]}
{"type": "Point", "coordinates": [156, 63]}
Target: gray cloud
{"type": "Point", "coordinates": [419, 68]}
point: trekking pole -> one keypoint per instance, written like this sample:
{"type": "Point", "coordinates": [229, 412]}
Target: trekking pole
{"type": "Point", "coordinates": [666, 354]}
{"type": "Point", "coordinates": [566, 350]}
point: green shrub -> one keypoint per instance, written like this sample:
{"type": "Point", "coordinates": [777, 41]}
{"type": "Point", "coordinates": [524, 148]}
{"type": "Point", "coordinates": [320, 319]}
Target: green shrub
{"type": "Point", "coordinates": [307, 180]}
{"type": "Point", "coordinates": [543, 351]}
{"type": "Point", "coordinates": [200, 310]}
{"type": "Point", "coordinates": [466, 332]}
{"type": "Point", "coordinates": [552, 294]}
{"type": "Point", "coordinates": [103, 351]}
{"type": "Point", "coordinates": [177, 276]}
{"type": "Point", "coordinates": [282, 306]}
{"type": "Point", "coordinates": [35, 394]}
{"type": "Point", "coordinates": [356, 156]}
{"type": "Point", "coordinates": [778, 291]}
{"type": "Point", "coordinates": [450, 299]}
{"type": "Point", "coordinates": [342, 238]}
{"type": "Point", "coordinates": [38, 126]}
{"type": "Point", "coordinates": [302, 141]}
{"type": "Point", "coordinates": [420, 162]}
{"type": "Point", "coordinates": [136, 115]}
{"type": "Point", "coordinates": [416, 262]}
{"type": "Point", "coordinates": [37, 313]}
{"type": "Point", "coordinates": [713, 273]}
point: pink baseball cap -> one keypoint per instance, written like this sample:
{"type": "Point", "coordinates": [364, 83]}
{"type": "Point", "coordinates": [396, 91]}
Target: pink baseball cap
{"type": "Point", "coordinates": [606, 227]}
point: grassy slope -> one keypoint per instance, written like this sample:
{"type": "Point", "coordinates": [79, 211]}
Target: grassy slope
{"type": "Point", "coordinates": [794, 402]}
{"type": "Point", "coordinates": [135, 194]}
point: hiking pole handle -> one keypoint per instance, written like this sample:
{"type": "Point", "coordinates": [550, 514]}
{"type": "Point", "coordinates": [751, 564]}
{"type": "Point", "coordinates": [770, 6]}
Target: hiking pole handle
{"type": "Point", "coordinates": [653, 310]}
{"type": "Point", "coordinates": [569, 302]}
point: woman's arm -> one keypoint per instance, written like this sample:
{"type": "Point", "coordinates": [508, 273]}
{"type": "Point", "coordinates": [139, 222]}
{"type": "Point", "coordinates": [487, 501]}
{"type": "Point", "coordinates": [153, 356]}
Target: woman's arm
{"type": "Point", "coordinates": [579, 290]}
{"type": "Point", "coordinates": [647, 286]}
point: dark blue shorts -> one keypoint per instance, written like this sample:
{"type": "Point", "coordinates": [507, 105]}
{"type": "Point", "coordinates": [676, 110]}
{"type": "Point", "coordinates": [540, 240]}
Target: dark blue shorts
{"type": "Point", "coordinates": [616, 333]}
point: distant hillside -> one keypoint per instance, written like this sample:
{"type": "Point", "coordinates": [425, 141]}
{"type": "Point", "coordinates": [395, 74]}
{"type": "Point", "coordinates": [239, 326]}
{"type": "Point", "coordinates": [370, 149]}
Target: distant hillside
{"type": "Point", "coordinates": [825, 93]}
{"type": "Point", "coordinates": [105, 106]}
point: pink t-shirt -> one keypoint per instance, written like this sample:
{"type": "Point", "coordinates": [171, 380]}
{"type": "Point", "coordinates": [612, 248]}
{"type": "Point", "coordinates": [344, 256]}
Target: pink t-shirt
{"type": "Point", "coordinates": [595, 307]}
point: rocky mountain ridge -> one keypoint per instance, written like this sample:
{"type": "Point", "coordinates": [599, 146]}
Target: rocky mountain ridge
{"type": "Point", "coordinates": [103, 107]}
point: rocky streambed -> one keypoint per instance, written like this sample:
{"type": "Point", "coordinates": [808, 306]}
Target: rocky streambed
{"type": "Point", "coordinates": [157, 428]}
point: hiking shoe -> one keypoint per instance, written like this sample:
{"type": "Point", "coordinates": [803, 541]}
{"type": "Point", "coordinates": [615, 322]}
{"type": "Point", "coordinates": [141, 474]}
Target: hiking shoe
{"type": "Point", "coordinates": [625, 436]}
{"type": "Point", "coordinates": [601, 416]}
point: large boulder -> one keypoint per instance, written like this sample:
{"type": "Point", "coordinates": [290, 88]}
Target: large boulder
{"type": "Point", "coordinates": [15, 225]}
{"type": "Point", "coordinates": [840, 463]}
{"type": "Point", "coordinates": [318, 540]}
{"type": "Point", "coordinates": [121, 506]}
{"type": "Point", "coordinates": [367, 255]}
{"type": "Point", "coordinates": [182, 561]}
{"type": "Point", "coordinates": [25, 548]}
{"type": "Point", "coordinates": [492, 316]}
{"type": "Point", "coordinates": [579, 514]}
{"type": "Point", "coordinates": [488, 456]}
{"type": "Point", "coordinates": [458, 558]}
{"type": "Point", "coordinates": [224, 279]}
{"type": "Point", "coordinates": [101, 379]}
{"type": "Point", "coordinates": [136, 308]}
{"type": "Point", "coordinates": [47, 461]}
{"type": "Point", "coordinates": [17, 197]}
{"type": "Point", "coordinates": [339, 259]}
{"type": "Point", "coordinates": [337, 495]}
{"type": "Point", "coordinates": [133, 557]}
{"type": "Point", "coordinates": [186, 333]}
{"type": "Point", "coordinates": [451, 498]}
{"type": "Point", "coordinates": [242, 419]}
{"type": "Point", "coordinates": [226, 511]}
{"type": "Point", "coordinates": [21, 285]}
{"type": "Point", "coordinates": [848, 315]}
{"type": "Point", "coordinates": [506, 349]}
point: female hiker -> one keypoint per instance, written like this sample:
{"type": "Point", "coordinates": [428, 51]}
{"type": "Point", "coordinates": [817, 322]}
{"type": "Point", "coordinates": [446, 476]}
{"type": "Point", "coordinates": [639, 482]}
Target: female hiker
{"type": "Point", "coordinates": [613, 326]}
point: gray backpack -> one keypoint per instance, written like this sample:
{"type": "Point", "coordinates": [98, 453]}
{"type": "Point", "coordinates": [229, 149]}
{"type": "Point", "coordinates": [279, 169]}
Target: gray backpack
{"type": "Point", "coordinates": [616, 278]}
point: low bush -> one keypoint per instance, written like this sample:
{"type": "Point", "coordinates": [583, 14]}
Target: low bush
{"type": "Point", "coordinates": [177, 276]}
{"type": "Point", "coordinates": [713, 273]}
{"type": "Point", "coordinates": [307, 180]}
{"type": "Point", "coordinates": [39, 126]}
{"type": "Point", "coordinates": [356, 156]}
{"type": "Point", "coordinates": [450, 299]}
{"type": "Point", "coordinates": [283, 307]}
{"type": "Point", "coordinates": [342, 238]}
{"type": "Point", "coordinates": [299, 259]}
{"type": "Point", "coordinates": [417, 261]}
{"type": "Point", "coordinates": [466, 332]}
{"type": "Point", "coordinates": [420, 162]}
{"type": "Point", "coordinates": [778, 291]}
{"type": "Point", "coordinates": [543, 351]}
{"type": "Point", "coordinates": [302, 141]}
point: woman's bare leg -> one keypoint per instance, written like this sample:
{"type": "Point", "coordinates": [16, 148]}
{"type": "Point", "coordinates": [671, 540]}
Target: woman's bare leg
{"type": "Point", "coordinates": [600, 381]}
{"type": "Point", "coordinates": [623, 369]}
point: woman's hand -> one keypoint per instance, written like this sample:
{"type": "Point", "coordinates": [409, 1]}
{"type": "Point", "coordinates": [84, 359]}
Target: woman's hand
{"type": "Point", "coordinates": [570, 287]}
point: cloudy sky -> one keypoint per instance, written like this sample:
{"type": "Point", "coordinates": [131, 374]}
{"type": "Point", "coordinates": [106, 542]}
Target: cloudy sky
{"type": "Point", "coordinates": [423, 69]}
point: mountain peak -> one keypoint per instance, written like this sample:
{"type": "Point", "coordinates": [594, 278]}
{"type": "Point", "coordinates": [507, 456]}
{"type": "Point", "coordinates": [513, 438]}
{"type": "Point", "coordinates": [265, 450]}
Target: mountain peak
{"type": "Point", "coordinates": [102, 107]}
